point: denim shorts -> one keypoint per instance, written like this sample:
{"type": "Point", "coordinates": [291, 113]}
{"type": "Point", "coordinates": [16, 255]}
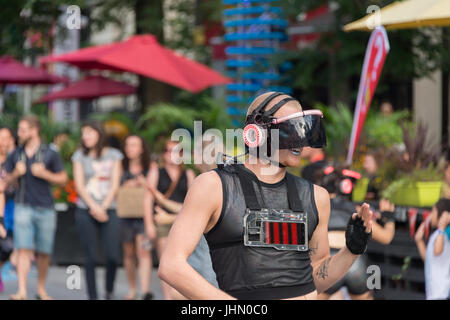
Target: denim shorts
{"type": "Point", "coordinates": [34, 228]}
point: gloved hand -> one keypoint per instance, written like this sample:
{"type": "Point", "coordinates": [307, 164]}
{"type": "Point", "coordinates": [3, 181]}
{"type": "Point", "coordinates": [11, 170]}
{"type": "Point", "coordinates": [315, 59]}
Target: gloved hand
{"type": "Point", "coordinates": [359, 230]}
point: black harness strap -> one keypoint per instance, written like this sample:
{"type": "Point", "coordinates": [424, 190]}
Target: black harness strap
{"type": "Point", "coordinates": [276, 107]}
{"type": "Point", "coordinates": [263, 105]}
{"type": "Point", "coordinates": [294, 200]}
{"type": "Point", "coordinates": [247, 188]}
{"type": "Point", "coordinates": [251, 201]}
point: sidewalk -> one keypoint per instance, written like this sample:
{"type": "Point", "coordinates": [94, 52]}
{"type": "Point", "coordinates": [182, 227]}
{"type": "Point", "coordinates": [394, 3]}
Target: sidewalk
{"type": "Point", "coordinates": [57, 288]}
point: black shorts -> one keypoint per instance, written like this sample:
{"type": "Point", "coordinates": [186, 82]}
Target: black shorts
{"type": "Point", "coordinates": [130, 228]}
{"type": "Point", "coordinates": [355, 280]}
{"type": "Point", "coordinates": [6, 247]}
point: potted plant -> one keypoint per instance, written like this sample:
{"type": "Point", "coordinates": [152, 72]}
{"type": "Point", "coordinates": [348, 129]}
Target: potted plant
{"type": "Point", "coordinates": [418, 179]}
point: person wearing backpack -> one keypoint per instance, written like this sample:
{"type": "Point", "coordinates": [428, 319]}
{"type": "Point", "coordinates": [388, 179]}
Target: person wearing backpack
{"type": "Point", "coordinates": [35, 167]}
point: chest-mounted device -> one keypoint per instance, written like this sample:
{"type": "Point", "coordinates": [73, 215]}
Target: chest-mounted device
{"type": "Point", "coordinates": [281, 229]}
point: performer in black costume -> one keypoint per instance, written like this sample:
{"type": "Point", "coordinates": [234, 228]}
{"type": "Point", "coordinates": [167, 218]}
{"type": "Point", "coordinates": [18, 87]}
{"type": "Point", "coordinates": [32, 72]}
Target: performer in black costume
{"type": "Point", "coordinates": [267, 230]}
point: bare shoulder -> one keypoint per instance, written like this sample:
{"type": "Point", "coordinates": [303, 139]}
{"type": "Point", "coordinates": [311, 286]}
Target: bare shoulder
{"type": "Point", "coordinates": [322, 199]}
{"type": "Point", "coordinates": [321, 194]}
{"type": "Point", "coordinates": [190, 173]}
{"type": "Point", "coordinates": [208, 181]}
{"type": "Point", "coordinates": [204, 198]}
{"type": "Point", "coordinates": [153, 165]}
{"type": "Point", "coordinates": [207, 187]}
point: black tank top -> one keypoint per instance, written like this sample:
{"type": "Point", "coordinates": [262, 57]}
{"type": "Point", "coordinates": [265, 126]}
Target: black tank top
{"type": "Point", "coordinates": [254, 272]}
{"type": "Point", "coordinates": [180, 191]}
{"type": "Point", "coordinates": [340, 213]}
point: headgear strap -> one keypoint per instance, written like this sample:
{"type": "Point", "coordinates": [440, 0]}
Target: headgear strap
{"type": "Point", "coordinates": [261, 108]}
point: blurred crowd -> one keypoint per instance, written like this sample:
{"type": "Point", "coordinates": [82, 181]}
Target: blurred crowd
{"type": "Point", "coordinates": [128, 198]}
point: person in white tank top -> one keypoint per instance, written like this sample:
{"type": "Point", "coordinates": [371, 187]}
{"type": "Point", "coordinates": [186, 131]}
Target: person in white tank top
{"type": "Point", "coordinates": [437, 261]}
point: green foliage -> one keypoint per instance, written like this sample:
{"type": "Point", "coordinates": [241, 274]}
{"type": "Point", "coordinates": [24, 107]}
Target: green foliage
{"type": "Point", "coordinates": [382, 131]}
{"type": "Point", "coordinates": [21, 16]}
{"type": "Point", "coordinates": [405, 267]}
{"type": "Point", "coordinates": [431, 173]}
{"type": "Point", "coordinates": [338, 126]}
{"type": "Point", "coordinates": [378, 131]}
{"type": "Point", "coordinates": [416, 164]}
{"type": "Point", "coordinates": [335, 61]}
{"type": "Point", "coordinates": [163, 118]}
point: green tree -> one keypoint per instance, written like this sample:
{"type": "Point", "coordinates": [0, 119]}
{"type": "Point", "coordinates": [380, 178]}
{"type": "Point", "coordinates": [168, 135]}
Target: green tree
{"type": "Point", "coordinates": [21, 16]}
{"type": "Point", "coordinates": [335, 62]}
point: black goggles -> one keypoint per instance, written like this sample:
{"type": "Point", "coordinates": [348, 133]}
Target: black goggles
{"type": "Point", "coordinates": [301, 129]}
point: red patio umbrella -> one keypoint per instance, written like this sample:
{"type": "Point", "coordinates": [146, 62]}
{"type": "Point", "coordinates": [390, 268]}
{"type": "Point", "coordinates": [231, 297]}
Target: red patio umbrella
{"type": "Point", "coordinates": [90, 88]}
{"type": "Point", "coordinates": [14, 72]}
{"type": "Point", "coordinates": [143, 55]}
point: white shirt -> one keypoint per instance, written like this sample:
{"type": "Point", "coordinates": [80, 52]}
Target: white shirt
{"type": "Point", "coordinates": [437, 270]}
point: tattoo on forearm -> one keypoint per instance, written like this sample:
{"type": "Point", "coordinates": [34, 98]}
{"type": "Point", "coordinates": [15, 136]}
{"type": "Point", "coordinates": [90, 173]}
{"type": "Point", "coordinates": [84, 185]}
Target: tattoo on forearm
{"type": "Point", "coordinates": [322, 270]}
{"type": "Point", "coordinates": [313, 249]}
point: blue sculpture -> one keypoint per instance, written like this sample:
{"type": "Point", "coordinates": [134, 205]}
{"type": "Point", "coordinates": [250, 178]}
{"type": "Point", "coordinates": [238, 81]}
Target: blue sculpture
{"type": "Point", "coordinates": [254, 30]}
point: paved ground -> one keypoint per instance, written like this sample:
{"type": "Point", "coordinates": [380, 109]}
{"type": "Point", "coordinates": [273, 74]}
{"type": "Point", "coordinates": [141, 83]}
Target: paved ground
{"type": "Point", "coordinates": [57, 287]}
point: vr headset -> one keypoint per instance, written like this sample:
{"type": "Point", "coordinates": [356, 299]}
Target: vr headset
{"type": "Point", "coordinates": [297, 130]}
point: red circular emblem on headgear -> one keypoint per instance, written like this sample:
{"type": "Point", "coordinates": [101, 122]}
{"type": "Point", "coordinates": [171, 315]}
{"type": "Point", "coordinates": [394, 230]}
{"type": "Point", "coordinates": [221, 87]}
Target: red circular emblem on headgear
{"type": "Point", "coordinates": [253, 135]}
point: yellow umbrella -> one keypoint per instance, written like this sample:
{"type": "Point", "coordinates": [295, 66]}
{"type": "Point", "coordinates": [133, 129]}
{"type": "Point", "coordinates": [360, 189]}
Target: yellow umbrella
{"type": "Point", "coordinates": [406, 14]}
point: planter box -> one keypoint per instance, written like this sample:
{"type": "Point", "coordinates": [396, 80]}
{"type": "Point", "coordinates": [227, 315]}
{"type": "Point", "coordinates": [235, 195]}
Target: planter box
{"type": "Point", "coordinates": [419, 194]}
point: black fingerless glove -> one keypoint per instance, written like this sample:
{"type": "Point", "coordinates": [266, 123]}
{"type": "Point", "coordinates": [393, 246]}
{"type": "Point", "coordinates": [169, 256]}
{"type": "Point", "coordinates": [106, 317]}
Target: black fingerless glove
{"type": "Point", "coordinates": [387, 216]}
{"type": "Point", "coordinates": [356, 237]}
{"type": "Point", "coordinates": [2, 221]}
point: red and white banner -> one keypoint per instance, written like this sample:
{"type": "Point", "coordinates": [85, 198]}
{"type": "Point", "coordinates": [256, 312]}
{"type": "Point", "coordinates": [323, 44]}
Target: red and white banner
{"type": "Point", "coordinates": [376, 53]}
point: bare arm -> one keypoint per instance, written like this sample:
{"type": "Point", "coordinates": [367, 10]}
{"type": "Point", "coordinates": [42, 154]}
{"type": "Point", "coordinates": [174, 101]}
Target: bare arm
{"type": "Point", "coordinates": [152, 180]}
{"type": "Point", "coordinates": [115, 184]}
{"type": "Point", "coordinates": [19, 170]}
{"type": "Point", "coordinates": [170, 204]}
{"type": "Point", "coordinates": [328, 270]}
{"type": "Point", "coordinates": [421, 247]}
{"type": "Point", "coordinates": [190, 175]}
{"type": "Point", "coordinates": [166, 203]}
{"type": "Point", "coordinates": [199, 214]}
{"type": "Point", "coordinates": [443, 222]}
{"type": "Point", "coordinates": [12, 177]}
{"type": "Point", "coordinates": [439, 244]}
{"type": "Point", "coordinates": [59, 178]}
{"type": "Point", "coordinates": [383, 235]}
